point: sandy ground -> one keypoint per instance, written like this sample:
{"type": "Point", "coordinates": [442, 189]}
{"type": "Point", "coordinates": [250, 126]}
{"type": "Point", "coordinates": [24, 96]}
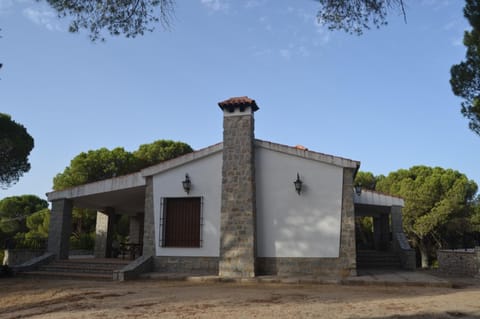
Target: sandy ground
{"type": "Point", "coordinates": [29, 298]}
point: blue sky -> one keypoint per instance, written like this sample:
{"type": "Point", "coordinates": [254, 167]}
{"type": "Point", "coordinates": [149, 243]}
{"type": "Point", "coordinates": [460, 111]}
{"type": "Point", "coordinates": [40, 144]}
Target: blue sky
{"type": "Point", "coordinates": [382, 98]}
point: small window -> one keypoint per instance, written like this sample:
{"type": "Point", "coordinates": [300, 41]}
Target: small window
{"type": "Point", "coordinates": [181, 222]}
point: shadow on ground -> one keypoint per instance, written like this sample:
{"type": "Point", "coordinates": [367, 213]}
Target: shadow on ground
{"type": "Point", "coordinates": [446, 315]}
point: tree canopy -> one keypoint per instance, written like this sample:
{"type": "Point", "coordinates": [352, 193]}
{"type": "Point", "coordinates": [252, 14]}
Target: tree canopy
{"type": "Point", "coordinates": [103, 163]}
{"type": "Point", "coordinates": [465, 76]}
{"type": "Point", "coordinates": [434, 197]}
{"type": "Point", "coordinates": [37, 224]}
{"type": "Point", "coordinates": [15, 147]}
{"type": "Point", "coordinates": [15, 210]}
{"type": "Point", "coordinates": [134, 17]}
{"type": "Point", "coordinates": [159, 151]}
{"type": "Point", "coordinates": [367, 180]}
{"type": "Point", "coordinates": [128, 17]}
{"type": "Point", "coordinates": [95, 165]}
{"type": "Point", "coordinates": [355, 16]}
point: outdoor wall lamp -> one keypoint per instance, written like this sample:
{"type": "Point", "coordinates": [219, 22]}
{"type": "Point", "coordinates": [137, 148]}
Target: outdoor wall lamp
{"type": "Point", "coordinates": [187, 184]}
{"type": "Point", "coordinates": [358, 189]}
{"type": "Point", "coordinates": [298, 184]}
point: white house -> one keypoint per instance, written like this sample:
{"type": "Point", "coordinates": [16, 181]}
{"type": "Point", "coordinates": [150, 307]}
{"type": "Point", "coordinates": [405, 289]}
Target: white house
{"type": "Point", "coordinates": [240, 208]}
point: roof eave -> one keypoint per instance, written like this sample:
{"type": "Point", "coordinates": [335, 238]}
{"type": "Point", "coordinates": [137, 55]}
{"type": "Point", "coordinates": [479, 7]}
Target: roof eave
{"type": "Point", "coordinates": [307, 154]}
{"type": "Point", "coordinates": [107, 185]}
{"type": "Point", "coordinates": [181, 160]}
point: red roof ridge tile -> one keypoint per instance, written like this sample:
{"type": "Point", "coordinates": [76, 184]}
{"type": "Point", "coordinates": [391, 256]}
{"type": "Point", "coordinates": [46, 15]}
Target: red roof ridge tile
{"type": "Point", "coordinates": [301, 147]}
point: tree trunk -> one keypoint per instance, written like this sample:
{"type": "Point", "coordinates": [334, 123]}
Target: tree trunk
{"type": "Point", "coordinates": [424, 254]}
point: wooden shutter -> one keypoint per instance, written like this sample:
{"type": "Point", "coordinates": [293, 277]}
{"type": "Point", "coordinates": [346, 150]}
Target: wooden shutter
{"type": "Point", "coordinates": [182, 222]}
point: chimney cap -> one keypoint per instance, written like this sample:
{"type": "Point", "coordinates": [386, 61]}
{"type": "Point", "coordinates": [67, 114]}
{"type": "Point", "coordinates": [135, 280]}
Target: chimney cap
{"type": "Point", "coordinates": [242, 102]}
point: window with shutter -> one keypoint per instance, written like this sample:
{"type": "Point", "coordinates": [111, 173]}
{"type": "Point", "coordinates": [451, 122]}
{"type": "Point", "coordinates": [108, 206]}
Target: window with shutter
{"type": "Point", "coordinates": [181, 222]}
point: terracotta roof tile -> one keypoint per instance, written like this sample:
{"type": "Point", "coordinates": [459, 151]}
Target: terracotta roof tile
{"type": "Point", "coordinates": [301, 147]}
{"type": "Point", "coordinates": [241, 101]}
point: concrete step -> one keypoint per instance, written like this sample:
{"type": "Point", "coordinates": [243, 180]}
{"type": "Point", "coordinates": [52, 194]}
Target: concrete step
{"type": "Point", "coordinates": [84, 266]}
{"type": "Point", "coordinates": [65, 275]}
{"type": "Point", "coordinates": [114, 262]}
{"type": "Point", "coordinates": [88, 264]}
{"type": "Point", "coordinates": [91, 269]}
{"type": "Point", "coordinates": [70, 268]}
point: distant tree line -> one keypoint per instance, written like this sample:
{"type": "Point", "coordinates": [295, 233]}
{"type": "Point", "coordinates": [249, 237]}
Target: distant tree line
{"type": "Point", "coordinates": [24, 220]}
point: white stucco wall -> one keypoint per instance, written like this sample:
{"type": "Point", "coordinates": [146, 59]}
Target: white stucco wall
{"type": "Point", "coordinates": [205, 175]}
{"type": "Point", "coordinates": [292, 225]}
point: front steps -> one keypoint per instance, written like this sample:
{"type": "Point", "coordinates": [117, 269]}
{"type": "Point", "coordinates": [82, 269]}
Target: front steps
{"type": "Point", "coordinates": [88, 269]}
{"type": "Point", "coordinates": [373, 259]}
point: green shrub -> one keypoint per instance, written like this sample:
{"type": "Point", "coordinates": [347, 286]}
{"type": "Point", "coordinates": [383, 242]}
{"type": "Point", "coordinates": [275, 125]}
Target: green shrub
{"type": "Point", "coordinates": [84, 241]}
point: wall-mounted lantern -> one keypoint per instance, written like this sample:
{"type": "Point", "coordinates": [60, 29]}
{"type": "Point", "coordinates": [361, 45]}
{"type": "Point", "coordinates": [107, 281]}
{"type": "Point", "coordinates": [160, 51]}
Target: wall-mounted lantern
{"type": "Point", "coordinates": [298, 184]}
{"type": "Point", "coordinates": [187, 184]}
{"type": "Point", "coordinates": [358, 189]}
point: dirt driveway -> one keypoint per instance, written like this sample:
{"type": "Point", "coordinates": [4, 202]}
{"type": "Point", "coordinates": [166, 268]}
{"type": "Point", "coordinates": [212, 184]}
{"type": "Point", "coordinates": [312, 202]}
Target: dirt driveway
{"type": "Point", "coordinates": [26, 298]}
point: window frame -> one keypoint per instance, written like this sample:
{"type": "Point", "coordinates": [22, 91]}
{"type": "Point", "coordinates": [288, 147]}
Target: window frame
{"type": "Point", "coordinates": [163, 221]}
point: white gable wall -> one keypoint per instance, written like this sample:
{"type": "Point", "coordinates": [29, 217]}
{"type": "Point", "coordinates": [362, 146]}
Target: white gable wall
{"type": "Point", "coordinates": [292, 225]}
{"type": "Point", "coordinates": [205, 175]}
{"type": "Point", "coordinates": [288, 224]}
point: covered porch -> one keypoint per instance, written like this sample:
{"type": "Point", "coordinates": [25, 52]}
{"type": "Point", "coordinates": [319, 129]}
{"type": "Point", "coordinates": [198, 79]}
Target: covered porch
{"type": "Point", "coordinates": [386, 242]}
{"type": "Point", "coordinates": [111, 198]}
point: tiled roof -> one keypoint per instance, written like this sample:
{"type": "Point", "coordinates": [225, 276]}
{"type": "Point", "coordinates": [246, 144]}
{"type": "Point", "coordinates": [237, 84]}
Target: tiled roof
{"type": "Point", "coordinates": [241, 101]}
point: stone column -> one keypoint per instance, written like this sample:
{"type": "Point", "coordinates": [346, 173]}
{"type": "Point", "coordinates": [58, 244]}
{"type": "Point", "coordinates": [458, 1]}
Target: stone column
{"type": "Point", "coordinates": [104, 233]}
{"type": "Point", "coordinates": [396, 216]}
{"type": "Point", "coordinates": [60, 228]}
{"type": "Point", "coordinates": [148, 221]}
{"type": "Point", "coordinates": [238, 207]}
{"type": "Point", "coordinates": [384, 232]}
{"type": "Point", "coordinates": [135, 231]}
{"type": "Point", "coordinates": [348, 252]}
{"type": "Point", "coordinates": [377, 232]}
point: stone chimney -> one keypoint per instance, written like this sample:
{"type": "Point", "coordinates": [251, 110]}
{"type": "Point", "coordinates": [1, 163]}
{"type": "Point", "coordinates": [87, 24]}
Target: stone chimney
{"type": "Point", "coordinates": [237, 239]}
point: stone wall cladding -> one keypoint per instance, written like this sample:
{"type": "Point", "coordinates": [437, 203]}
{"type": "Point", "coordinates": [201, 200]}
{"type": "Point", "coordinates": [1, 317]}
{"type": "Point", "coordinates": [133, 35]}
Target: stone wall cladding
{"type": "Point", "coordinates": [237, 242]}
{"type": "Point", "coordinates": [148, 221]}
{"type": "Point", "coordinates": [348, 256]}
{"type": "Point", "coordinates": [14, 257]}
{"type": "Point", "coordinates": [459, 262]}
{"type": "Point", "coordinates": [190, 265]}
{"type": "Point", "coordinates": [60, 228]}
{"type": "Point", "coordinates": [35, 262]}
{"type": "Point", "coordinates": [404, 251]}
{"type": "Point", "coordinates": [285, 266]}
{"type": "Point", "coordinates": [134, 269]}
